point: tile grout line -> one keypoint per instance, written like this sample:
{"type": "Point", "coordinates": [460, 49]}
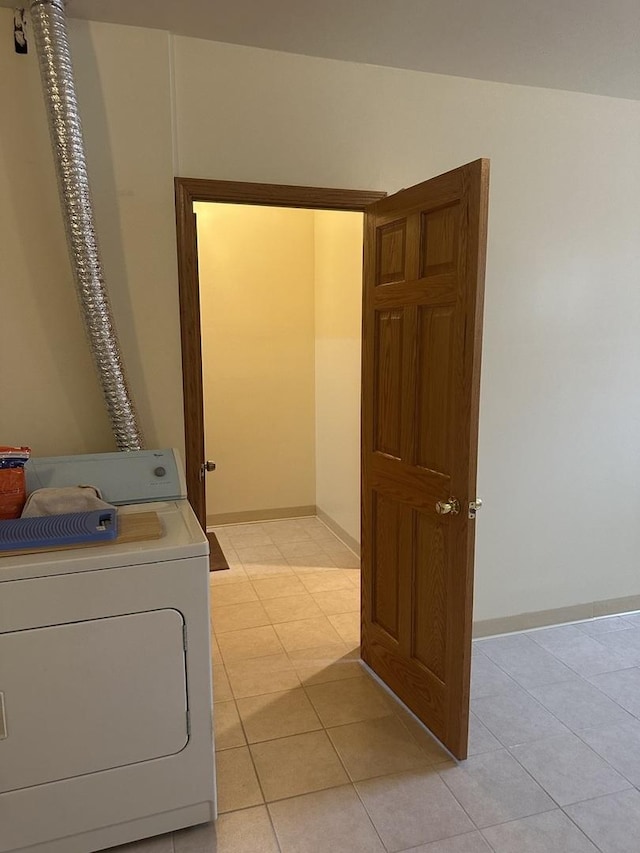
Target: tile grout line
{"type": "Point", "coordinates": [264, 799]}
{"type": "Point", "coordinates": [366, 811]}
{"type": "Point", "coordinates": [599, 797]}
{"type": "Point", "coordinates": [248, 745]}
{"type": "Point", "coordinates": [486, 841]}
{"type": "Point", "coordinates": [549, 711]}
{"type": "Point", "coordinates": [537, 740]}
{"type": "Point", "coordinates": [503, 745]}
{"type": "Point", "coordinates": [383, 775]}
{"type": "Point", "coordinates": [568, 665]}
{"type": "Point", "coordinates": [326, 728]}
{"type": "Point", "coordinates": [514, 757]}
{"type": "Point", "coordinates": [263, 805]}
{"type": "Point", "coordinates": [432, 766]}
{"type": "Point", "coordinates": [585, 681]}
{"type": "Point", "coordinates": [273, 826]}
{"type": "Point", "coordinates": [537, 814]}
{"type": "Point", "coordinates": [578, 827]}
{"type": "Point", "coordinates": [346, 771]}
{"type": "Point", "coordinates": [305, 793]}
{"type": "Point", "coordinates": [535, 781]}
{"type": "Point", "coordinates": [602, 758]}
{"type": "Point", "coordinates": [539, 784]}
{"type": "Point", "coordinates": [396, 716]}
{"type": "Point", "coordinates": [253, 763]}
{"type": "Point", "coordinates": [508, 749]}
{"type": "Point", "coordinates": [546, 684]}
{"type": "Point", "coordinates": [310, 538]}
{"type": "Point", "coordinates": [273, 625]}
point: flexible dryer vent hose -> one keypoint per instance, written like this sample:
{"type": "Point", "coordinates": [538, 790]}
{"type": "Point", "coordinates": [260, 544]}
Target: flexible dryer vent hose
{"type": "Point", "coordinates": [52, 45]}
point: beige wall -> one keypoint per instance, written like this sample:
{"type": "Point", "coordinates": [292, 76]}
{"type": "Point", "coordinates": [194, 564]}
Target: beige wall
{"type": "Point", "coordinates": [559, 466]}
{"type": "Point", "coordinates": [338, 293]}
{"type": "Point", "coordinates": [50, 397]}
{"type": "Point", "coordinates": [280, 301]}
{"type": "Point", "coordinates": [257, 302]}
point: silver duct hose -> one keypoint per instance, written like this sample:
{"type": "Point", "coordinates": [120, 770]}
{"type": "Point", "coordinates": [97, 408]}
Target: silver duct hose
{"type": "Point", "coordinates": [52, 45]}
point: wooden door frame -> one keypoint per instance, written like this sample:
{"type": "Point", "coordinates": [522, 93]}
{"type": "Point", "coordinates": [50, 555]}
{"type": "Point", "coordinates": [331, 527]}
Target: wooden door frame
{"type": "Point", "coordinates": [188, 191]}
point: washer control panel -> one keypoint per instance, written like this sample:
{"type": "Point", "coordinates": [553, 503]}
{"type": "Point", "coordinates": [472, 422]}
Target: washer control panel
{"type": "Point", "coordinates": [135, 476]}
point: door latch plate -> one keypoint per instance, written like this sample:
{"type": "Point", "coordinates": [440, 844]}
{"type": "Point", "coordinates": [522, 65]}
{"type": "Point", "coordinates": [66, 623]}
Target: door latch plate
{"type": "Point", "coordinates": [474, 506]}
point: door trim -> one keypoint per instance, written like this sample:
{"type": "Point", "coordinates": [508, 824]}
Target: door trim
{"type": "Point", "coordinates": [188, 191]}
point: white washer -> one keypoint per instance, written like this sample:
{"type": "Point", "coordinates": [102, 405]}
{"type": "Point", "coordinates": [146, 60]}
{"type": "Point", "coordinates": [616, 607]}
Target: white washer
{"type": "Point", "coordinates": [105, 672]}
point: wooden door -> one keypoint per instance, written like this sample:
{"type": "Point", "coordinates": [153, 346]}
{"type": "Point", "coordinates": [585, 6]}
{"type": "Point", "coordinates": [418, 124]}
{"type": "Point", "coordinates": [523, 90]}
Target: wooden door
{"type": "Point", "coordinates": [422, 322]}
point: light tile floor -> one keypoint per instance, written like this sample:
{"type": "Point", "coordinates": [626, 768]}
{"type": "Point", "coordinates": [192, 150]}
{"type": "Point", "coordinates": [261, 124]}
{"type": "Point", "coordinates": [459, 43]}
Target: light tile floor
{"type": "Point", "coordinates": [313, 756]}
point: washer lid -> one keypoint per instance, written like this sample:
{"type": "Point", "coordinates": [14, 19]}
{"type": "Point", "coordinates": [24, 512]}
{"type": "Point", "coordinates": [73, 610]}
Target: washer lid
{"type": "Point", "coordinates": [182, 537]}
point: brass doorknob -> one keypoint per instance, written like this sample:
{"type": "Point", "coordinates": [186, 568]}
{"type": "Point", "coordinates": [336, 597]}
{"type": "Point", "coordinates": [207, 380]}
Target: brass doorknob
{"type": "Point", "coordinates": [450, 507]}
{"type": "Point", "coordinates": [206, 466]}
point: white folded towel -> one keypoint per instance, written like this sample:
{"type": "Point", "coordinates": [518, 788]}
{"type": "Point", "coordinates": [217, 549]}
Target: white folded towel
{"type": "Point", "coordinates": [64, 500]}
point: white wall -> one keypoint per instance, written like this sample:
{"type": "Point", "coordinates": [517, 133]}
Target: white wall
{"type": "Point", "coordinates": [256, 269]}
{"type": "Point", "coordinates": [338, 298]}
{"type": "Point", "coordinates": [559, 466]}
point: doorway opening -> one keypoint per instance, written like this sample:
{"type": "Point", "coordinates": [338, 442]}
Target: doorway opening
{"type": "Point", "coordinates": [280, 307]}
{"type": "Point", "coordinates": [278, 295]}
{"type": "Point", "coordinates": [190, 192]}
{"type": "Point", "coordinates": [424, 253]}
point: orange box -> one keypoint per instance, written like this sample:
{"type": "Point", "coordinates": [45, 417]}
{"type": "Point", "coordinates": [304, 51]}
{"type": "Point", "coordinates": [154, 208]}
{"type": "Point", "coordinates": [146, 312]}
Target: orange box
{"type": "Point", "coordinates": [13, 486]}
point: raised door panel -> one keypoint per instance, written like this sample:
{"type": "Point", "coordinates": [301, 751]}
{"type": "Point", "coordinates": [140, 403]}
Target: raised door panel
{"type": "Point", "coordinates": [440, 235]}
{"type": "Point", "coordinates": [391, 252]}
{"type": "Point", "coordinates": [434, 387]}
{"type": "Point", "coordinates": [386, 516]}
{"type": "Point", "coordinates": [90, 696]}
{"type": "Point", "coordinates": [389, 329]}
{"type": "Point", "coordinates": [430, 605]}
